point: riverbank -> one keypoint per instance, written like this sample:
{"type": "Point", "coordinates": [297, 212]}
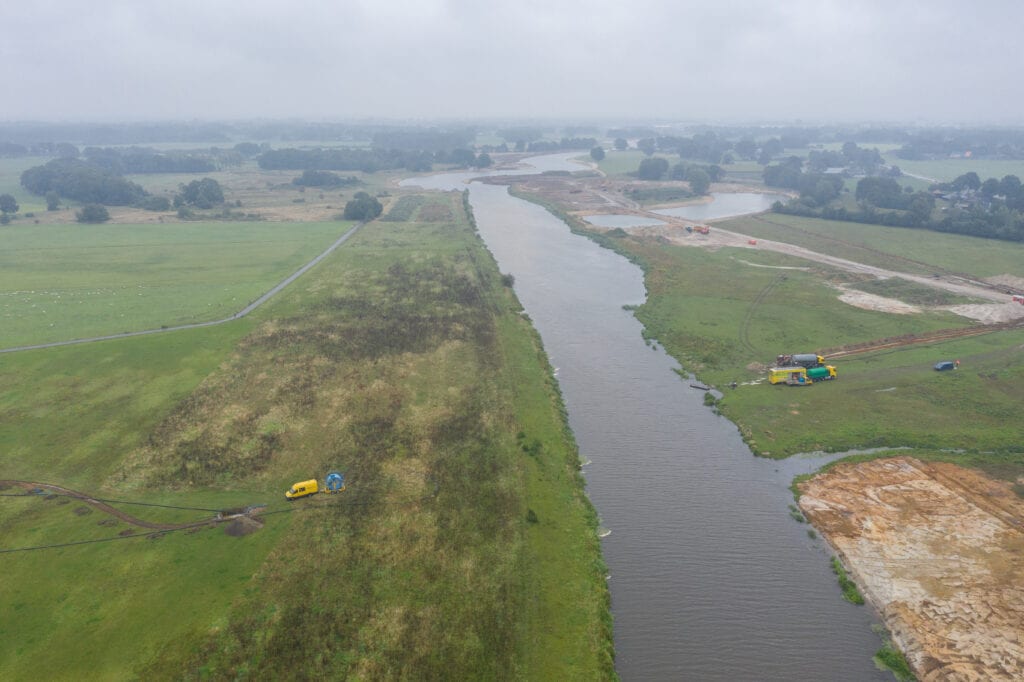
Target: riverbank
{"type": "Point", "coordinates": [936, 548]}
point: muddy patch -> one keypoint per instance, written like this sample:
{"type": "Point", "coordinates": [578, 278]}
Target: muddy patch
{"type": "Point", "coordinates": [82, 511]}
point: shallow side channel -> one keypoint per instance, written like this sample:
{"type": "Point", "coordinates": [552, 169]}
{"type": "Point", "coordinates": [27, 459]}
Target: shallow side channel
{"type": "Point", "coordinates": [710, 577]}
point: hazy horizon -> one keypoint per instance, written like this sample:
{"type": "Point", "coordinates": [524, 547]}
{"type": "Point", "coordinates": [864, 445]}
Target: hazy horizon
{"type": "Point", "coordinates": [435, 60]}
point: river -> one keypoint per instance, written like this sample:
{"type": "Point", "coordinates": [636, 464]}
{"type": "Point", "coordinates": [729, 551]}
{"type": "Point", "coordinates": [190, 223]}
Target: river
{"type": "Point", "coordinates": [710, 577]}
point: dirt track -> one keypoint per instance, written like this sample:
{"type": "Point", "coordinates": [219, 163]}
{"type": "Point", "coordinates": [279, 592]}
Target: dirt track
{"type": "Point", "coordinates": [939, 550]}
{"type": "Point", "coordinates": [113, 511]}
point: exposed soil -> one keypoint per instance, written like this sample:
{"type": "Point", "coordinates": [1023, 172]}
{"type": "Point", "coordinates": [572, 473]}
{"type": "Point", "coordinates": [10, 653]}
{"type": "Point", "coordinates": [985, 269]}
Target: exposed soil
{"type": "Point", "coordinates": [593, 195]}
{"type": "Point", "coordinates": [243, 525]}
{"type": "Point", "coordinates": [939, 551]}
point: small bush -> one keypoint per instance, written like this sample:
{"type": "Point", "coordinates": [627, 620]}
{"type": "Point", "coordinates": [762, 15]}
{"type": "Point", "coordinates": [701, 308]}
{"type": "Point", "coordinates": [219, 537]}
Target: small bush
{"type": "Point", "coordinates": [93, 213]}
{"type": "Point", "coordinates": [849, 588]}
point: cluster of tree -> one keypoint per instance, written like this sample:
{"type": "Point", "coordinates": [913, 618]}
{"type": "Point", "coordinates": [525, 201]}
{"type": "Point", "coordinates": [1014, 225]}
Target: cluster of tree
{"type": "Point", "coordinates": [64, 150]}
{"type": "Point", "coordinates": [635, 132]}
{"type": "Point", "coordinates": [8, 207]}
{"type": "Point", "coordinates": [341, 159]}
{"type": "Point", "coordinates": [653, 168]}
{"type": "Point", "coordinates": [427, 139]}
{"type": "Point", "coordinates": [363, 207]}
{"type": "Point", "coordinates": [37, 133]}
{"type": "Point", "coordinates": [704, 146]}
{"type": "Point", "coordinates": [1007, 192]}
{"type": "Point", "coordinates": [943, 143]}
{"type": "Point", "coordinates": [816, 189]}
{"type": "Point", "coordinates": [142, 160]}
{"type": "Point", "coordinates": [699, 176]}
{"type": "Point", "coordinates": [1000, 224]}
{"type": "Point", "coordinates": [319, 178]}
{"type": "Point", "coordinates": [879, 192]}
{"type": "Point", "coordinates": [882, 201]}
{"type": "Point", "coordinates": [566, 143]}
{"type": "Point", "coordinates": [205, 193]}
{"type": "Point", "coordinates": [857, 160]}
{"type": "Point", "coordinates": [92, 213]}
{"type": "Point", "coordinates": [520, 133]}
{"type": "Point", "coordinates": [81, 181]}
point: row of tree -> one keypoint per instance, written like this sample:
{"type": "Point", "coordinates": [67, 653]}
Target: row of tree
{"type": "Point", "coordinates": [322, 178]}
{"type": "Point", "coordinates": [369, 160]}
{"type": "Point", "coordinates": [699, 176]}
{"type": "Point", "coordinates": [141, 160]}
{"type": "Point", "coordinates": [81, 181]}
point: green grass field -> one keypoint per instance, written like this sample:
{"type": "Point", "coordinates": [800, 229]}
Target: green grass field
{"type": "Point", "coordinates": [402, 361]}
{"type": "Point", "coordinates": [627, 161]}
{"type": "Point", "coordinates": [63, 282]}
{"type": "Point", "coordinates": [946, 170]}
{"type": "Point", "coordinates": [10, 183]}
{"type": "Point", "coordinates": [726, 320]}
{"type": "Point", "coordinates": [902, 249]}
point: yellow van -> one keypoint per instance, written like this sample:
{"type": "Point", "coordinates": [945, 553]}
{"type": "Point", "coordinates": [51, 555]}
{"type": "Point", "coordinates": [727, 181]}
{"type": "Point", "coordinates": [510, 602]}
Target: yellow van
{"type": "Point", "coordinates": [302, 488]}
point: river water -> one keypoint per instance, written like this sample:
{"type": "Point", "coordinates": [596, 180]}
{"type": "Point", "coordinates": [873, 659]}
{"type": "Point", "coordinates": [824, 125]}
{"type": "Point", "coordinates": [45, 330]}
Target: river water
{"type": "Point", "coordinates": [710, 578]}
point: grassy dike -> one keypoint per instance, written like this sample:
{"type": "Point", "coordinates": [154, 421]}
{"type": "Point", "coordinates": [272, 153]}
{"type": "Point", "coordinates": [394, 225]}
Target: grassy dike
{"type": "Point", "coordinates": [463, 548]}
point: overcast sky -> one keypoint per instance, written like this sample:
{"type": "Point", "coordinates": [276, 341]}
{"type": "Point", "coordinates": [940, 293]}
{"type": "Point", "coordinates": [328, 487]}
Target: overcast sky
{"type": "Point", "coordinates": [717, 60]}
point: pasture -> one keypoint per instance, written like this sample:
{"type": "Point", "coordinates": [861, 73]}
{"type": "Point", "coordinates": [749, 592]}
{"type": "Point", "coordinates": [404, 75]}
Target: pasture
{"type": "Point", "coordinates": [64, 282]}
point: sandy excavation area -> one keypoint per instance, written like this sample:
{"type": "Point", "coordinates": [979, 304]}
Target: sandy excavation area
{"type": "Point", "coordinates": [939, 550]}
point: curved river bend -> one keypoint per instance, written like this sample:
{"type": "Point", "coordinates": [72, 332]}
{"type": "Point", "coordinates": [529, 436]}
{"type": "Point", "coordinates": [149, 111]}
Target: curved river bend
{"type": "Point", "coordinates": [710, 577]}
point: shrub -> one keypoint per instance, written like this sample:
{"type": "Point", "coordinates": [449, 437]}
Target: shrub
{"type": "Point", "coordinates": [93, 213]}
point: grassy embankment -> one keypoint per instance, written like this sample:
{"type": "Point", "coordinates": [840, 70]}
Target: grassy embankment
{"type": "Point", "coordinates": [400, 360]}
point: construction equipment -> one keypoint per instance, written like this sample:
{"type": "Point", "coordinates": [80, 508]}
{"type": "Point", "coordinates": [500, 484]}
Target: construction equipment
{"type": "Point", "coordinates": [791, 376]}
{"type": "Point", "coordinates": [807, 360]}
{"type": "Point", "coordinates": [826, 373]}
{"type": "Point", "coordinates": [334, 483]}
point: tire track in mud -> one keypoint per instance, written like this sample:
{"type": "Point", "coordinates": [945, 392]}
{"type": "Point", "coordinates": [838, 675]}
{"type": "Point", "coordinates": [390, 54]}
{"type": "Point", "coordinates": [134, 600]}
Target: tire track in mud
{"type": "Point", "coordinates": [30, 486]}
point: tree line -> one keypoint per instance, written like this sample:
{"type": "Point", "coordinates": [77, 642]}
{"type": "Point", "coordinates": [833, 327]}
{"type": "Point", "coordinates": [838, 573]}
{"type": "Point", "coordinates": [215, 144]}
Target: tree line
{"type": "Point", "coordinates": [993, 209]}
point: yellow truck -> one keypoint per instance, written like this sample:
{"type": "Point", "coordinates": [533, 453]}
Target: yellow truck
{"type": "Point", "coordinates": [800, 376]}
{"type": "Point", "coordinates": [302, 489]}
{"type": "Point", "coordinates": [794, 376]}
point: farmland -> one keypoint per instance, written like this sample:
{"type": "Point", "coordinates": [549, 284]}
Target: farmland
{"type": "Point", "coordinates": [63, 282]}
{"type": "Point", "coordinates": [463, 546]}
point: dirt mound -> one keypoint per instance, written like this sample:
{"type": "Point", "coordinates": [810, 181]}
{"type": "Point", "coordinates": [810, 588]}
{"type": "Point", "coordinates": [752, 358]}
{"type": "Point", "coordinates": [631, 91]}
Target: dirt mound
{"type": "Point", "coordinates": [1009, 281]}
{"type": "Point", "coordinates": [938, 550]}
{"type": "Point", "coordinates": [243, 525]}
{"type": "Point", "coordinates": [866, 301]}
{"type": "Point", "coordinates": [989, 313]}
